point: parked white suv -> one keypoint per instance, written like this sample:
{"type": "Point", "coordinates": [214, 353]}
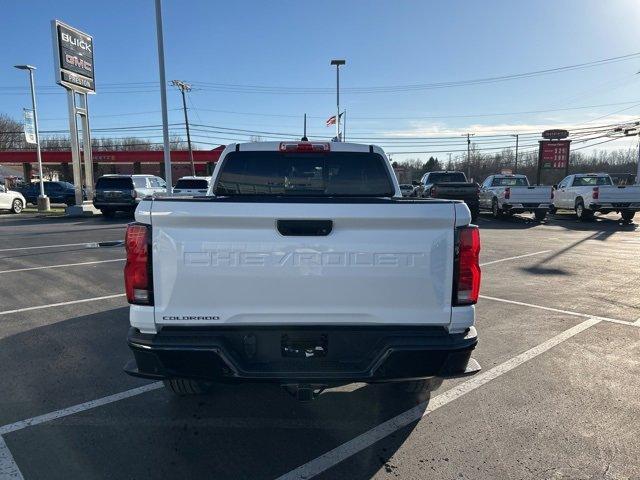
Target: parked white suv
{"type": "Point", "coordinates": [587, 193]}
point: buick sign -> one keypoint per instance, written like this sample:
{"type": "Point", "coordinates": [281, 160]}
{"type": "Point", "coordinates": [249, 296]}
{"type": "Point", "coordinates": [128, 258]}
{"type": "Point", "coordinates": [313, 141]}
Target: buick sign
{"type": "Point", "coordinates": [73, 53]}
{"type": "Point", "coordinates": [555, 134]}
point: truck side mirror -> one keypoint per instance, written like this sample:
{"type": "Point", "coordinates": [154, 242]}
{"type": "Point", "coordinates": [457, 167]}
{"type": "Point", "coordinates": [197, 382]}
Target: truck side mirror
{"type": "Point", "coordinates": [555, 187]}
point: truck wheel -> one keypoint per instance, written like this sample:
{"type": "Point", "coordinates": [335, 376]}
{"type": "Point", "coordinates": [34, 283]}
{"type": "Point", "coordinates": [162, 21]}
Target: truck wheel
{"type": "Point", "coordinates": [583, 213]}
{"type": "Point", "coordinates": [108, 213]}
{"type": "Point", "coordinates": [540, 214]}
{"type": "Point", "coordinates": [495, 209]}
{"type": "Point", "coordinates": [627, 215]}
{"type": "Point", "coordinates": [185, 386]}
{"type": "Point", "coordinates": [552, 209]}
{"type": "Point", "coordinates": [17, 206]}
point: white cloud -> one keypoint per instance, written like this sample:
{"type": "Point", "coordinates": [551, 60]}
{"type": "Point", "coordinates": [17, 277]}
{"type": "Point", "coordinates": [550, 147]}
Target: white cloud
{"type": "Point", "coordinates": [423, 129]}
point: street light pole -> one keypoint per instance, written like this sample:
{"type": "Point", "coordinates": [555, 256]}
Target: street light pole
{"type": "Point", "coordinates": [337, 63]}
{"type": "Point", "coordinates": [515, 167]}
{"type": "Point", "coordinates": [163, 96]}
{"type": "Point", "coordinates": [43, 200]}
{"type": "Point", "coordinates": [185, 87]}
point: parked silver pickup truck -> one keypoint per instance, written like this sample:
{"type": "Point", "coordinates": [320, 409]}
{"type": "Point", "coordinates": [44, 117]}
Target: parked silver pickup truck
{"type": "Point", "coordinates": [508, 194]}
{"type": "Point", "coordinates": [305, 267]}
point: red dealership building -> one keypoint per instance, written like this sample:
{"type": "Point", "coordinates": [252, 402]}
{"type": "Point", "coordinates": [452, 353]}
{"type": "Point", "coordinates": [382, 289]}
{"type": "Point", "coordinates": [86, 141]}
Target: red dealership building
{"type": "Point", "coordinates": [126, 162]}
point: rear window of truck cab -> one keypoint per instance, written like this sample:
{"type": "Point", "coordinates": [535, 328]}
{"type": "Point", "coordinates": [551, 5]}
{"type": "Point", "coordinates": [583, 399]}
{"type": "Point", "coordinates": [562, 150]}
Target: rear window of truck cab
{"type": "Point", "coordinates": [591, 181]}
{"type": "Point", "coordinates": [192, 184]}
{"type": "Point", "coordinates": [116, 183]}
{"type": "Point", "coordinates": [510, 182]}
{"type": "Point", "coordinates": [304, 174]}
{"type": "Point", "coordinates": [447, 177]}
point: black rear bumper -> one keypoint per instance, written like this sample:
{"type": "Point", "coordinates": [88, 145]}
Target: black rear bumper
{"type": "Point", "coordinates": [317, 354]}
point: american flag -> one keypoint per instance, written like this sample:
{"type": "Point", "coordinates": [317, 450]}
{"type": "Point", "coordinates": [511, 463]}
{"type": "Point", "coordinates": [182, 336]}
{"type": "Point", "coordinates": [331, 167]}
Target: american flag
{"type": "Point", "coordinates": [332, 120]}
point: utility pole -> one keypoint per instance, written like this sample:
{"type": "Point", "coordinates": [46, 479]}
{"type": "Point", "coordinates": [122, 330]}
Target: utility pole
{"type": "Point", "coordinates": [337, 63]}
{"type": "Point", "coordinates": [163, 97]}
{"type": "Point", "coordinates": [185, 87]}
{"type": "Point", "coordinates": [468, 135]}
{"type": "Point", "coordinates": [515, 167]}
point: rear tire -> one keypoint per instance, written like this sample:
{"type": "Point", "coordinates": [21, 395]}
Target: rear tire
{"type": "Point", "coordinates": [108, 213]}
{"type": "Point", "coordinates": [185, 386]}
{"type": "Point", "coordinates": [17, 206]}
{"type": "Point", "coordinates": [627, 216]}
{"type": "Point", "coordinates": [495, 209]}
{"type": "Point", "coordinates": [540, 215]}
{"type": "Point", "coordinates": [552, 209]}
{"type": "Point", "coordinates": [583, 213]}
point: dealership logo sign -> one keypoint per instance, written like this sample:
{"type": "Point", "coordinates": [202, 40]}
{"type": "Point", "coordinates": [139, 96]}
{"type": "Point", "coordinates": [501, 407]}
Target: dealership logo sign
{"type": "Point", "coordinates": [73, 54]}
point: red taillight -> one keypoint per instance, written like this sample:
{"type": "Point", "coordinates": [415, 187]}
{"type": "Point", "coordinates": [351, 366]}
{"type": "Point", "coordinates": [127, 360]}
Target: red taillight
{"type": "Point", "coordinates": [434, 191]}
{"type": "Point", "coordinates": [304, 147]}
{"type": "Point", "coordinates": [137, 271]}
{"type": "Point", "coordinates": [467, 283]}
{"type": "Point", "coordinates": [596, 193]}
{"type": "Point", "coordinates": [507, 193]}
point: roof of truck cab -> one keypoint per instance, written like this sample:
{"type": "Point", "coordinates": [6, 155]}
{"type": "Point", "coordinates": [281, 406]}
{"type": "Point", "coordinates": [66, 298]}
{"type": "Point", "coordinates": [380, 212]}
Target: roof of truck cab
{"type": "Point", "coordinates": [275, 146]}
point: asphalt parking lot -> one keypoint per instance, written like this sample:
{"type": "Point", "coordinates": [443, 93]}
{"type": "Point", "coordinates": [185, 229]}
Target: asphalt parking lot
{"type": "Point", "coordinates": [558, 396]}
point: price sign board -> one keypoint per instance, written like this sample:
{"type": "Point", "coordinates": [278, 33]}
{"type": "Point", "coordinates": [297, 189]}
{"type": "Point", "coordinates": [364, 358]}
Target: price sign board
{"type": "Point", "coordinates": [554, 154]}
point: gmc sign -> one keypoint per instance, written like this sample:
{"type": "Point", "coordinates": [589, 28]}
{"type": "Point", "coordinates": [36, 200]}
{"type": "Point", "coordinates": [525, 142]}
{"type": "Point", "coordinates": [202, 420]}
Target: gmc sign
{"type": "Point", "coordinates": [73, 52]}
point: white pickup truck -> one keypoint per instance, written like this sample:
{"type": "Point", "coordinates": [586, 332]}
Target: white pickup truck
{"type": "Point", "coordinates": [304, 267]}
{"type": "Point", "coordinates": [508, 194]}
{"type": "Point", "coordinates": [587, 193]}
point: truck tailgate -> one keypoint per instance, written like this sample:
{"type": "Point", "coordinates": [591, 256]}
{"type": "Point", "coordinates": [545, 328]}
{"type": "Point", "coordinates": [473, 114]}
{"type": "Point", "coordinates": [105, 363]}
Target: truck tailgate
{"type": "Point", "coordinates": [619, 194]}
{"type": "Point", "coordinates": [531, 194]}
{"type": "Point", "coordinates": [218, 262]}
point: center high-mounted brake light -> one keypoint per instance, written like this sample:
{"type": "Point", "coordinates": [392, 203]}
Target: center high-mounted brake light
{"type": "Point", "coordinates": [309, 147]}
{"type": "Point", "coordinates": [596, 193]}
{"type": "Point", "coordinates": [507, 193]}
{"type": "Point", "coordinates": [466, 287]}
{"type": "Point", "coordinates": [138, 280]}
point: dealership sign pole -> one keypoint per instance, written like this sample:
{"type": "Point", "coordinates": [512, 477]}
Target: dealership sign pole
{"type": "Point", "coordinates": [74, 70]}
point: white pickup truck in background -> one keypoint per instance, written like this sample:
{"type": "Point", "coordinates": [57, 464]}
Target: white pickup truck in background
{"type": "Point", "coordinates": [507, 194]}
{"type": "Point", "coordinates": [304, 267]}
{"type": "Point", "coordinates": [587, 193]}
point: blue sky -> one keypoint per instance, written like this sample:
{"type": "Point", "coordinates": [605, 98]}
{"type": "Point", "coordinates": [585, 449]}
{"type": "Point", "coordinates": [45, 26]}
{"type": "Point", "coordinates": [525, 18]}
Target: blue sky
{"type": "Point", "coordinates": [289, 44]}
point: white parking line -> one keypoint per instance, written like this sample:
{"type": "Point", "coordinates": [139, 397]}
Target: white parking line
{"type": "Point", "coordinates": [515, 258]}
{"type": "Point", "coordinates": [61, 265]}
{"type": "Point", "coordinates": [83, 244]}
{"type": "Point", "coordinates": [72, 302]}
{"type": "Point", "coordinates": [566, 312]}
{"type": "Point", "coordinates": [81, 407]}
{"type": "Point", "coordinates": [8, 467]}
{"type": "Point", "coordinates": [370, 437]}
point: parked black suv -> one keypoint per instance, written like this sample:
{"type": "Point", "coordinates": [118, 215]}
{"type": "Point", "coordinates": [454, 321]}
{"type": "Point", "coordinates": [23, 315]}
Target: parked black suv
{"type": "Point", "coordinates": [124, 192]}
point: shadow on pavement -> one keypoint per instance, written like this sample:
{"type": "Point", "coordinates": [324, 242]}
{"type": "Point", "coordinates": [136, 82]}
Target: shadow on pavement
{"type": "Point", "coordinates": [239, 431]}
{"type": "Point", "coordinates": [612, 223]}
